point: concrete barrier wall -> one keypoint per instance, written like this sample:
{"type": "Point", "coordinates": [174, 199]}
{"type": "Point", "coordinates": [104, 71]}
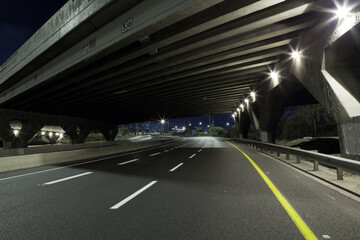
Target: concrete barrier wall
{"type": "Point", "coordinates": [12, 163]}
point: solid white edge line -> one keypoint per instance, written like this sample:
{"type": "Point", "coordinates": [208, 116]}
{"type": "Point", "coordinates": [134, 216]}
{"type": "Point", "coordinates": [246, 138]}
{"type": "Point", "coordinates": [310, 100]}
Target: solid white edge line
{"type": "Point", "coordinates": [154, 154]}
{"type": "Point", "coordinates": [65, 179]}
{"type": "Point", "coordinates": [116, 206]}
{"type": "Point", "coordinates": [193, 155]}
{"type": "Point", "coordinates": [173, 169]}
{"type": "Point", "coordinates": [78, 164]}
{"type": "Point", "coordinates": [123, 163]}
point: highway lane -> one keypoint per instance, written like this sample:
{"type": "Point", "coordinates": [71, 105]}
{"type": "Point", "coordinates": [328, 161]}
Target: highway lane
{"type": "Point", "coordinates": [212, 192]}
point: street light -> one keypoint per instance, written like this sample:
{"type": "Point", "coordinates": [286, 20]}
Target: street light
{"type": "Point", "coordinates": [227, 124]}
{"type": "Point", "coordinates": [162, 121]}
{"type": "Point", "coordinates": [16, 132]}
{"type": "Point", "coordinates": [295, 55]}
{"type": "Point", "coordinates": [238, 109]}
{"type": "Point", "coordinates": [43, 133]}
{"type": "Point", "coordinates": [342, 12]}
{"type": "Point", "coordinates": [274, 76]}
{"type": "Point", "coordinates": [200, 123]}
{"type": "Point", "coordinates": [246, 100]}
{"type": "Point", "coordinates": [242, 107]}
{"type": "Point", "coordinates": [253, 95]}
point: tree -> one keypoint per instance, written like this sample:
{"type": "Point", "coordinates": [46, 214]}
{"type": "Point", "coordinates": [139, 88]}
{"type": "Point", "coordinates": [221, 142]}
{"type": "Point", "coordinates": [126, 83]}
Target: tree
{"type": "Point", "coordinates": [217, 131]}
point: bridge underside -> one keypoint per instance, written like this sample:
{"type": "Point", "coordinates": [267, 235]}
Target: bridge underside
{"type": "Point", "coordinates": [206, 61]}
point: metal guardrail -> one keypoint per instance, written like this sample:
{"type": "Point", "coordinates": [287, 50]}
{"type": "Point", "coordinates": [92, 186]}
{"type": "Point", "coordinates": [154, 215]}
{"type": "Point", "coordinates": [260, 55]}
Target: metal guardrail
{"type": "Point", "coordinates": [338, 162]}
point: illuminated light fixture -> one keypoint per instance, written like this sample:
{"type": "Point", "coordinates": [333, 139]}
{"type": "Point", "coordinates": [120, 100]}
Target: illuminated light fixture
{"type": "Point", "coordinates": [200, 123]}
{"type": "Point", "coordinates": [43, 133]}
{"type": "Point", "coordinates": [57, 134]}
{"type": "Point", "coordinates": [184, 128]}
{"type": "Point", "coordinates": [253, 95]}
{"type": "Point", "coordinates": [295, 55]}
{"type": "Point", "coordinates": [242, 107]}
{"type": "Point", "coordinates": [227, 124]}
{"type": "Point", "coordinates": [51, 134]}
{"type": "Point", "coordinates": [246, 100]}
{"type": "Point", "coordinates": [16, 132]}
{"type": "Point", "coordinates": [238, 109]}
{"type": "Point", "coordinates": [342, 12]}
{"type": "Point", "coordinates": [175, 127]}
{"type": "Point", "coordinates": [162, 121]}
{"type": "Point", "coordinates": [208, 126]}
{"type": "Point", "coordinates": [233, 115]}
{"type": "Point", "coordinates": [274, 75]}
{"type": "Point", "coordinates": [189, 124]}
{"type": "Point", "coordinates": [61, 135]}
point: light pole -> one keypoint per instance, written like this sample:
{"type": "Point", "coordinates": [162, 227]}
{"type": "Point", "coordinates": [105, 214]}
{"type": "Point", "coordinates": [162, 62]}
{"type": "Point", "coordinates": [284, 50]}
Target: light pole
{"type": "Point", "coordinates": [163, 127]}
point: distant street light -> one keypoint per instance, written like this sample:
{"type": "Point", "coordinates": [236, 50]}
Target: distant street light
{"type": "Point", "coordinates": [242, 107]}
{"type": "Point", "coordinates": [43, 133]}
{"type": "Point", "coordinates": [16, 132]}
{"type": "Point", "coordinates": [162, 123]}
{"type": "Point", "coordinates": [200, 123]}
{"type": "Point", "coordinates": [227, 124]}
{"type": "Point", "coordinates": [253, 95]}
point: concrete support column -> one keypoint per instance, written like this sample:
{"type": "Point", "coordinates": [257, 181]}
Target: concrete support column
{"type": "Point", "coordinates": [110, 133]}
{"type": "Point", "coordinates": [77, 133]}
{"type": "Point", "coordinates": [27, 132]}
{"type": "Point", "coordinates": [271, 108]}
{"type": "Point", "coordinates": [244, 125]}
{"type": "Point", "coordinates": [330, 73]}
{"type": "Point", "coordinates": [236, 121]}
{"type": "Point", "coordinates": [6, 134]}
{"type": "Point", "coordinates": [254, 118]}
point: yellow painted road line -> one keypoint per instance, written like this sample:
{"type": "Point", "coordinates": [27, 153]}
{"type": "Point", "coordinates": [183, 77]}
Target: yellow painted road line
{"type": "Point", "coordinates": [301, 225]}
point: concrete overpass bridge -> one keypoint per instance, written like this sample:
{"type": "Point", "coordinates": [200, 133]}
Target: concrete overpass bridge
{"type": "Point", "coordinates": [125, 61]}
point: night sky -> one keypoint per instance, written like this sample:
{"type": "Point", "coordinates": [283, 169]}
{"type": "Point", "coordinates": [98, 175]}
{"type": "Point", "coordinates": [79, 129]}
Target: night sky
{"type": "Point", "coordinates": [20, 19]}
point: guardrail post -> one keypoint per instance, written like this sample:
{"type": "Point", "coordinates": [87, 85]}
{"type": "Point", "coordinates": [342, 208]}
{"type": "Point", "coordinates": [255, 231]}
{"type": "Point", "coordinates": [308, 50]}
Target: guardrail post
{"type": "Point", "coordinates": [278, 153]}
{"type": "Point", "coordinates": [271, 151]}
{"type": "Point", "coordinates": [298, 161]}
{"type": "Point", "coordinates": [339, 173]}
{"type": "Point", "coordinates": [287, 156]}
{"type": "Point", "coordinates": [316, 166]}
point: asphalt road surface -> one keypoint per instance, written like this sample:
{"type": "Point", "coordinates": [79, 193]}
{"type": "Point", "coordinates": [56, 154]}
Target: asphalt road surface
{"type": "Point", "coordinates": [196, 188]}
